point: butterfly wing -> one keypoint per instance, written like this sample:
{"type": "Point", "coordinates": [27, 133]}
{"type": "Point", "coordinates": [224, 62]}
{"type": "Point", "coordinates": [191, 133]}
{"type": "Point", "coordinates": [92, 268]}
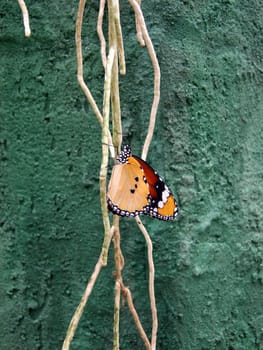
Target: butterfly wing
{"type": "Point", "coordinates": [128, 191]}
{"type": "Point", "coordinates": [162, 205]}
{"type": "Point", "coordinates": [136, 188]}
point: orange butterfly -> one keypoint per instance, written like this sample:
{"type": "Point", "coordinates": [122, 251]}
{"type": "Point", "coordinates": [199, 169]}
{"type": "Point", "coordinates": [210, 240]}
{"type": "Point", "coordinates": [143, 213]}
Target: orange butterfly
{"type": "Point", "coordinates": [135, 188]}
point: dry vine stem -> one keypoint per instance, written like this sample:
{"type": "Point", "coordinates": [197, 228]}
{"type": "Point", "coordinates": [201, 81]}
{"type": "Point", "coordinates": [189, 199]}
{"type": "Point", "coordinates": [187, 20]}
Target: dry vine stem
{"type": "Point", "coordinates": [151, 283]}
{"type": "Point", "coordinates": [111, 93]}
{"type": "Point", "coordinates": [115, 40]}
{"type": "Point", "coordinates": [25, 17]}
{"type": "Point", "coordinates": [105, 154]}
{"type": "Point", "coordinates": [157, 75]}
{"type": "Point", "coordinates": [81, 81]}
{"type": "Point", "coordinates": [138, 28]}
{"type": "Point", "coordinates": [100, 33]}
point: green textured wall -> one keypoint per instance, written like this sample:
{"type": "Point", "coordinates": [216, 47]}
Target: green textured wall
{"type": "Point", "coordinates": [208, 145]}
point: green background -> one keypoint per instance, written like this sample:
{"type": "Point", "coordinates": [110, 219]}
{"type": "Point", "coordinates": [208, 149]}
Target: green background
{"type": "Point", "coordinates": [207, 144]}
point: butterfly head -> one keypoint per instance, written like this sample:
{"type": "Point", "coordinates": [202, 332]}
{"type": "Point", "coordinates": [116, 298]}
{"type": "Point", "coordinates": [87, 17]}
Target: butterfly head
{"type": "Point", "coordinates": [124, 155]}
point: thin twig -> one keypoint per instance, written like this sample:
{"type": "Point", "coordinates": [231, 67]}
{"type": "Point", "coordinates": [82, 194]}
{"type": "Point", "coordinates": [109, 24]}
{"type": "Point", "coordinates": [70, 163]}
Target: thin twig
{"type": "Point", "coordinates": [119, 263]}
{"type": "Point", "coordinates": [105, 152]}
{"type": "Point", "coordinates": [151, 283]}
{"type": "Point", "coordinates": [127, 294]}
{"type": "Point", "coordinates": [138, 28]}
{"type": "Point", "coordinates": [116, 108]}
{"type": "Point", "coordinates": [80, 62]}
{"type": "Point", "coordinates": [118, 257]}
{"type": "Point", "coordinates": [157, 76]}
{"type": "Point", "coordinates": [79, 311]}
{"type": "Point", "coordinates": [100, 33]}
{"type": "Point", "coordinates": [116, 324]}
{"type": "Point", "coordinates": [25, 17]}
{"type": "Point", "coordinates": [118, 31]}
{"type": "Point", "coordinates": [115, 97]}
{"type": "Point", "coordinates": [81, 81]}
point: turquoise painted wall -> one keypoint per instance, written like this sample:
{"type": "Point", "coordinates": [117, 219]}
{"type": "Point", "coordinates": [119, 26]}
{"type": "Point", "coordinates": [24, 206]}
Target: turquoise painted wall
{"type": "Point", "coordinates": [208, 145]}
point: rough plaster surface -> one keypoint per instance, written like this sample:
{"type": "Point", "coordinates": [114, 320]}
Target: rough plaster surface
{"type": "Point", "coordinates": [208, 145]}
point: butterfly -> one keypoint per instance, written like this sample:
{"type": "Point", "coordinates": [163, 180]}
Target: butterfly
{"type": "Point", "coordinates": [135, 188]}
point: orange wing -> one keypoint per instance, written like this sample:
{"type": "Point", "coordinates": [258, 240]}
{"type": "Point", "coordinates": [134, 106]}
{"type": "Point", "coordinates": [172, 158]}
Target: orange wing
{"type": "Point", "coordinates": [136, 188]}
{"type": "Point", "coordinates": [128, 192]}
{"type": "Point", "coordinates": [162, 205]}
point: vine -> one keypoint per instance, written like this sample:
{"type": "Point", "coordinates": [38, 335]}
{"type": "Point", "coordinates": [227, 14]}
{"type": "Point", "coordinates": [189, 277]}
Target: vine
{"type": "Point", "coordinates": [114, 63]}
{"type": "Point", "coordinates": [25, 17]}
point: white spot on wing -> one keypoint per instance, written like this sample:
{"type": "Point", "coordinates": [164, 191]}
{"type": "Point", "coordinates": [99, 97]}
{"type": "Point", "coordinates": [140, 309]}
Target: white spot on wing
{"type": "Point", "coordinates": [160, 204]}
{"type": "Point", "coordinates": [165, 195]}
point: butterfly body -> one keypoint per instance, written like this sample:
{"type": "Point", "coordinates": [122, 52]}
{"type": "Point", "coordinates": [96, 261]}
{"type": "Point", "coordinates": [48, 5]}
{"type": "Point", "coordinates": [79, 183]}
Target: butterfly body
{"type": "Point", "coordinates": [135, 188]}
